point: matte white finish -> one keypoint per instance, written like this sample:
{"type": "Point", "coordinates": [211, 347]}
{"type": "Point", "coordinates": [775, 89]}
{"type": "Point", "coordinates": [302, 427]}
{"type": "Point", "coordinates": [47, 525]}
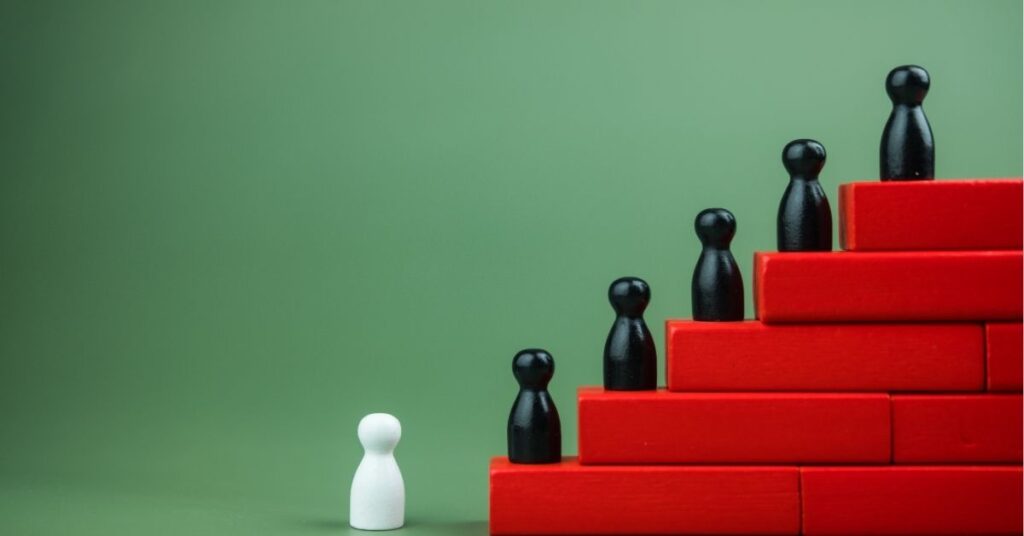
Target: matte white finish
{"type": "Point", "coordinates": [377, 501]}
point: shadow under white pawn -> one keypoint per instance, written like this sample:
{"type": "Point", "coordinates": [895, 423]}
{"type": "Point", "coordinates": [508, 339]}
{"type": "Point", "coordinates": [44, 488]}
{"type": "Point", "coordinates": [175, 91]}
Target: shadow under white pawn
{"type": "Point", "coordinates": [378, 491]}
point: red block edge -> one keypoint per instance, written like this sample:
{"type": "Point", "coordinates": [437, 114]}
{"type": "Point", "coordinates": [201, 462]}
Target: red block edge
{"type": "Point", "coordinates": [567, 498]}
{"type": "Point", "coordinates": [934, 500]}
{"type": "Point", "coordinates": [752, 356]}
{"type": "Point", "coordinates": [983, 428]}
{"type": "Point", "coordinates": [1004, 342]}
{"type": "Point", "coordinates": [662, 427]}
{"type": "Point", "coordinates": [979, 214]}
{"type": "Point", "coordinates": [888, 287]}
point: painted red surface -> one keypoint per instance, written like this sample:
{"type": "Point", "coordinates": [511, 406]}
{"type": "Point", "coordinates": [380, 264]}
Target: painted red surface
{"type": "Point", "coordinates": [888, 287]}
{"type": "Point", "coordinates": [983, 428]}
{"type": "Point", "coordinates": [568, 498]}
{"type": "Point", "coordinates": [1004, 343]}
{"type": "Point", "coordinates": [931, 215]}
{"type": "Point", "coordinates": [752, 356]}
{"type": "Point", "coordinates": [661, 427]}
{"type": "Point", "coordinates": [911, 500]}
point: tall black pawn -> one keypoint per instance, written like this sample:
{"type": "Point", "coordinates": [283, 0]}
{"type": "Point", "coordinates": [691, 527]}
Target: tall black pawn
{"type": "Point", "coordinates": [534, 429]}
{"type": "Point", "coordinates": [630, 358]}
{"type": "Point", "coordinates": [805, 217]}
{"type": "Point", "coordinates": [908, 150]}
{"type": "Point", "coordinates": [717, 284]}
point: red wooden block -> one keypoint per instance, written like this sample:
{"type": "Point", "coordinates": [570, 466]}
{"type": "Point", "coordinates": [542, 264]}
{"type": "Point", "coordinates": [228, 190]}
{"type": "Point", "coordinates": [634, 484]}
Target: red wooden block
{"type": "Point", "coordinates": [652, 427]}
{"type": "Point", "coordinates": [568, 498]}
{"type": "Point", "coordinates": [931, 215]}
{"type": "Point", "coordinates": [888, 287]}
{"type": "Point", "coordinates": [751, 356]}
{"type": "Point", "coordinates": [1004, 343]}
{"type": "Point", "coordinates": [911, 500]}
{"type": "Point", "coordinates": [957, 428]}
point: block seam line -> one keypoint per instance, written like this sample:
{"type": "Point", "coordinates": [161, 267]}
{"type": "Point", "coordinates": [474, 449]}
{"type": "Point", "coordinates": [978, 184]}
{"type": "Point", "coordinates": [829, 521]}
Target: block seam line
{"type": "Point", "coordinates": [892, 430]}
{"type": "Point", "coordinates": [985, 384]}
{"type": "Point", "coordinates": [800, 496]}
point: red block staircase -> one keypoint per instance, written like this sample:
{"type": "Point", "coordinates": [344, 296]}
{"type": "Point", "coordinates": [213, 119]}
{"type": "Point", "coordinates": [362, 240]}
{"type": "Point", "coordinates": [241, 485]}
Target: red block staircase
{"type": "Point", "coordinates": [880, 392]}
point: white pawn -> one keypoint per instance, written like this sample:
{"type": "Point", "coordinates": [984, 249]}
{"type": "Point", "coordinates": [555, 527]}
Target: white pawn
{"type": "Point", "coordinates": [377, 501]}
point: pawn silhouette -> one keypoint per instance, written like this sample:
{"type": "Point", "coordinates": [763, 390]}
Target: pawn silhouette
{"type": "Point", "coordinates": [534, 429]}
{"type": "Point", "coordinates": [907, 149]}
{"type": "Point", "coordinates": [805, 217]}
{"type": "Point", "coordinates": [717, 284]}
{"type": "Point", "coordinates": [377, 501]}
{"type": "Point", "coordinates": [630, 358]}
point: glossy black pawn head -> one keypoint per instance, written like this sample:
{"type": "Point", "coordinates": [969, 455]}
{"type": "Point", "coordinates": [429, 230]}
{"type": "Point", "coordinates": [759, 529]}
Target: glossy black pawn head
{"type": "Point", "coordinates": [907, 85]}
{"type": "Point", "coordinates": [629, 296]}
{"type": "Point", "coordinates": [803, 159]}
{"type": "Point", "coordinates": [533, 368]}
{"type": "Point", "coordinates": [715, 227]}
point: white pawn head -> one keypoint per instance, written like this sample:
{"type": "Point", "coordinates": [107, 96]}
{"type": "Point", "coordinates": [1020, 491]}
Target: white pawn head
{"type": "Point", "coordinates": [379, 433]}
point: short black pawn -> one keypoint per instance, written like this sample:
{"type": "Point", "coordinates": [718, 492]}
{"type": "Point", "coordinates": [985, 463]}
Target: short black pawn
{"type": "Point", "coordinates": [908, 150]}
{"type": "Point", "coordinates": [534, 429]}
{"type": "Point", "coordinates": [717, 284]}
{"type": "Point", "coordinates": [805, 217]}
{"type": "Point", "coordinates": [630, 358]}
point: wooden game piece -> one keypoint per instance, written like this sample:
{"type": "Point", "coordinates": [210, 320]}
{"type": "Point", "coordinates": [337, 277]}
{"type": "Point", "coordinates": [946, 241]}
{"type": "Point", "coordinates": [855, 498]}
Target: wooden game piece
{"type": "Point", "coordinates": [630, 358]}
{"type": "Point", "coordinates": [1005, 355]}
{"type": "Point", "coordinates": [534, 428]}
{"type": "Point", "coordinates": [916, 500]}
{"type": "Point", "coordinates": [931, 215]}
{"type": "Point", "coordinates": [717, 287]}
{"type": "Point", "coordinates": [957, 428]}
{"type": "Point", "coordinates": [752, 356]}
{"type": "Point", "coordinates": [888, 287]}
{"type": "Point", "coordinates": [377, 499]}
{"type": "Point", "coordinates": [660, 427]}
{"type": "Point", "coordinates": [568, 498]}
{"type": "Point", "coordinates": [907, 150]}
{"type": "Point", "coordinates": [805, 217]}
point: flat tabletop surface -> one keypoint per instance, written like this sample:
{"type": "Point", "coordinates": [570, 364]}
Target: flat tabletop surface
{"type": "Point", "coordinates": [52, 508]}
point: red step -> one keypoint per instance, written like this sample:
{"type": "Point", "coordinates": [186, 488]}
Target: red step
{"type": "Point", "coordinates": [661, 427]}
{"type": "Point", "coordinates": [1004, 343]}
{"type": "Point", "coordinates": [911, 500]}
{"type": "Point", "coordinates": [567, 498]}
{"type": "Point", "coordinates": [751, 356]}
{"type": "Point", "coordinates": [957, 428]}
{"type": "Point", "coordinates": [931, 215]}
{"type": "Point", "coordinates": [888, 287]}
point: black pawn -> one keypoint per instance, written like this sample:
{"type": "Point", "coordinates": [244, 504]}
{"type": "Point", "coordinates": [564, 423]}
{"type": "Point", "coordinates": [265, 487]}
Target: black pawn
{"type": "Point", "coordinates": [534, 429]}
{"type": "Point", "coordinates": [630, 358]}
{"type": "Point", "coordinates": [908, 150]}
{"type": "Point", "coordinates": [717, 283]}
{"type": "Point", "coordinates": [805, 217]}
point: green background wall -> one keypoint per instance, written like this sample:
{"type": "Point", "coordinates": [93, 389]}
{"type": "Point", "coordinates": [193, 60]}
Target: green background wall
{"type": "Point", "coordinates": [230, 229]}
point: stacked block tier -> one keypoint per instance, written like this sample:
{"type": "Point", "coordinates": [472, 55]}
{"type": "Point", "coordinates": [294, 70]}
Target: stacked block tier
{"type": "Point", "coordinates": [661, 427]}
{"type": "Point", "coordinates": [888, 287]}
{"type": "Point", "coordinates": [569, 498]}
{"type": "Point", "coordinates": [751, 356]}
{"type": "Point", "coordinates": [931, 215]}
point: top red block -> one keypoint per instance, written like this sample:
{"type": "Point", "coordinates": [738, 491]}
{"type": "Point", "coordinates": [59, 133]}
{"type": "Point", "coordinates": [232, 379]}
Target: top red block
{"type": "Point", "coordinates": [931, 215]}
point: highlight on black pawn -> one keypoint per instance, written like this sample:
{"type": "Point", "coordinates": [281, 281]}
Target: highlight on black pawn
{"type": "Point", "coordinates": [805, 217]}
{"type": "Point", "coordinates": [534, 428]}
{"type": "Point", "coordinates": [630, 357]}
{"type": "Point", "coordinates": [717, 287]}
{"type": "Point", "coordinates": [907, 151]}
